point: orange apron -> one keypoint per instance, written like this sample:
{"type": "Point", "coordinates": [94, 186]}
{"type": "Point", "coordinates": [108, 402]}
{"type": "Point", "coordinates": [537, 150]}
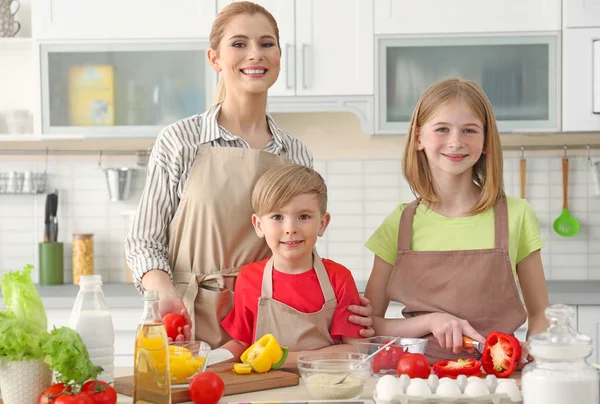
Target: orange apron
{"type": "Point", "coordinates": [475, 285]}
{"type": "Point", "coordinates": [211, 235]}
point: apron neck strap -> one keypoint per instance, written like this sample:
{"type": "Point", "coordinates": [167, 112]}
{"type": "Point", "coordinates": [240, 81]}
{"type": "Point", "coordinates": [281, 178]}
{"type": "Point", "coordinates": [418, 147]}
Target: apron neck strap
{"type": "Point", "coordinates": [406, 225]}
{"type": "Point", "coordinates": [326, 288]}
{"type": "Point", "coordinates": [501, 224]}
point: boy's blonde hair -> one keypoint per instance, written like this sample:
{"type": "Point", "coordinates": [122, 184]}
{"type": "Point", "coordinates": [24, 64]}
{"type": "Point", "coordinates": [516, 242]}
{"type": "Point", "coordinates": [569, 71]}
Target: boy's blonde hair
{"type": "Point", "coordinates": [487, 172]}
{"type": "Point", "coordinates": [279, 185]}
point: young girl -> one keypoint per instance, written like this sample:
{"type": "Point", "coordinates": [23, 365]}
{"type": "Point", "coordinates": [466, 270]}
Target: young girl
{"type": "Point", "coordinates": [452, 256]}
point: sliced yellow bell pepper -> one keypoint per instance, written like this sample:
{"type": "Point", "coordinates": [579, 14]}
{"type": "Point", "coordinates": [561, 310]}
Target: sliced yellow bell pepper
{"type": "Point", "coordinates": [242, 368]}
{"type": "Point", "coordinates": [264, 354]}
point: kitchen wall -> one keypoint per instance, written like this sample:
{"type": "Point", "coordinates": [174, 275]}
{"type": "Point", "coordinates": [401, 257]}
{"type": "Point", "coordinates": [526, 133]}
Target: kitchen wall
{"type": "Point", "coordinates": [365, 183]}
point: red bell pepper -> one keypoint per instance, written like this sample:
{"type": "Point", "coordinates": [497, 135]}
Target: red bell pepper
{"type": "Point", "coordinates": [501, 354]}
{"type": "Point", "coordinates": [452, 369]}
{"type": "Point", "coordinates": [388, 358]}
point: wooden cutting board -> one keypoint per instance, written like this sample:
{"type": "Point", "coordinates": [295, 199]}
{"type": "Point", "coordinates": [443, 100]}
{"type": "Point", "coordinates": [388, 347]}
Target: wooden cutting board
{"type": "Point", "coordinates": [234, 383]}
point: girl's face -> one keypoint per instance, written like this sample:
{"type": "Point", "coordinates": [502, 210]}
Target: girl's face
{"type": "Point", "coordinates": [248, 56]}
{"type": "Point", "coordinates": [452, 140]}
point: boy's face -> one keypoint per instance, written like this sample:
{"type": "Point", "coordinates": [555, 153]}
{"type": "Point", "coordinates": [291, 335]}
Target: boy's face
{"type": "Point", "coordinates": [291, 232]}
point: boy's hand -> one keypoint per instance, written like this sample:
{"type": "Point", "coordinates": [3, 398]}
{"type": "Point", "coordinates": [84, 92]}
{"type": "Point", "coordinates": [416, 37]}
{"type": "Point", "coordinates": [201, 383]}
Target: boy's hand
{"type": "Point", "coordinates": [449, 331]}
{"type": "Point", "coordinates": [363, 316]}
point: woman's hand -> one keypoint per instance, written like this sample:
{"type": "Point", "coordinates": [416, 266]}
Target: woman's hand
{"type": "Point", "coordinates": [171, 303]}
{"type": "Point", "coordinates": [362, 317]}
{"type": "Point", "coordinates": [449, 331]}
{"type": "Point", "coordinates": [525, 357]}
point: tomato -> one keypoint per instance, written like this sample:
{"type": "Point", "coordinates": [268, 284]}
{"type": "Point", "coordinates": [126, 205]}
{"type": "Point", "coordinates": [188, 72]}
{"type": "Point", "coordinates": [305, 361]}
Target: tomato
{"type": "Point", "coordinates": [174, 324]}
{"type": "Point", "coordinates": [80, 398]}
{"type": "Point", "coordinates": [100, 392]}
{"type": "Point", "coordinates": [49, 395]}
{"type": "Point", "coordinates": [206, 388]}
{"type": "Point", "coordinates": [415, 365]}
{"type": "Point", "coordinates": [387, 359]}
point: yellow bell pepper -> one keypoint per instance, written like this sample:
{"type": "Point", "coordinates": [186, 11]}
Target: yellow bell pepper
{"type": "Point", "coordinates": [264, 354]}
{"type": "Point", "coordinates": [242, 368]}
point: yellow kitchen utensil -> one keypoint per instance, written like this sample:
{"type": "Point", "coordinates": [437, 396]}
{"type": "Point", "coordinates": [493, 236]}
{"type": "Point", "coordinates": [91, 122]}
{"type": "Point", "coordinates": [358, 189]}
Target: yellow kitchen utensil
{"type": "Point", "coordinates": [566, 225]}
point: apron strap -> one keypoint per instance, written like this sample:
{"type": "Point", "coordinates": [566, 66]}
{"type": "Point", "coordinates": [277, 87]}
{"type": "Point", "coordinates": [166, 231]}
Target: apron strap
{"type": "Point", "coordinates": [326, 288]}
{"type": "Point", "coordinates": [501, 224]}
{"type": "Point", "coordinates": [406, 225]}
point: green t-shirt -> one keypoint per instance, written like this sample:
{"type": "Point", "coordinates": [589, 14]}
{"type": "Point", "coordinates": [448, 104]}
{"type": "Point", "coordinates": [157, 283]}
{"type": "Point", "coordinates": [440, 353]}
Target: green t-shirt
{"type": "Point", "coordinates": [434, 232]}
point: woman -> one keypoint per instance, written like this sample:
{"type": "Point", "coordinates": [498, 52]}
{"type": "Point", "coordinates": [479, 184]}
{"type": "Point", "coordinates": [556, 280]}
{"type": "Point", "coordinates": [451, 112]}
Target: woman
{"type": "Point", "coordinates": [196, 202]}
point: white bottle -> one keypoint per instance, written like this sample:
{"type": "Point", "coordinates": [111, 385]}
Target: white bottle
{"type": "Point", "coordinates": [92, 320]}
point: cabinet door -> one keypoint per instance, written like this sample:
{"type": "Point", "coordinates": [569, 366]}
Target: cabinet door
{"type": "Point", "coordinates": [283, 11]}
{"type": "Point", "coordinates": [581, 13]}
{"type": "Point", "coordinates": [581, 80]}
{"type": "Point", "coordinates": [588, 318]}
{"type": "Point", "coordinates": [334, 47]}
{"type": "Point", "coordinates": [457, 16]}
{"type": "Point", "coordinates": [117, 19]}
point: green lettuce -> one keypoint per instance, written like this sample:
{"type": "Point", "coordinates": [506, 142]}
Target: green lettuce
{"type": "Point", "coordinates": [21, 339]}
{"type": "Point", "coordinates": [22, 299]}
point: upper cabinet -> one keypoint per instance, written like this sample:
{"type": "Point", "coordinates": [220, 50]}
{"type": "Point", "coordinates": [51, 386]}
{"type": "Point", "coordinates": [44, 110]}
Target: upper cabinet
{"type": "Point", "coordinates": [464, 16]}
{"type": "Point", "coordinates": [581, 13]}
{"type": "Point", "coordinates": [327, 46]}
{"type": "Point", "coordinates": [117, 19]}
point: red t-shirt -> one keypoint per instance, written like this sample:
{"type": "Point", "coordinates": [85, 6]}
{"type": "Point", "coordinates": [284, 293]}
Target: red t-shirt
{"type": "Point", "coordinates": [300, 291]}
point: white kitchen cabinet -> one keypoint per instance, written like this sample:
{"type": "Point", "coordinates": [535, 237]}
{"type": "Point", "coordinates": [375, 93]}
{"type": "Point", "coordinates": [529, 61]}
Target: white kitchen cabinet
{"type": "Point", "coordinates": [581, 80]}
{"type": "Point", "coordinates": [117, 19]}
{"type": "Point", "coordinates": [394, 310]}
{"type": "Point", "coordinates": [327, 46]}
{"type": "Point", "coordinates": [581, 13]}
{"type": "Point", "coordinates": [588, 319]}
{"type": "Point", "coordinates": [465, 16]}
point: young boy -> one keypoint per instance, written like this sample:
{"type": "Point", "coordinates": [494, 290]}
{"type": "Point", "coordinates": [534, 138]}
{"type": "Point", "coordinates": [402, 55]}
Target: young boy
{"type": "Point", "coordinates": [295, 295]}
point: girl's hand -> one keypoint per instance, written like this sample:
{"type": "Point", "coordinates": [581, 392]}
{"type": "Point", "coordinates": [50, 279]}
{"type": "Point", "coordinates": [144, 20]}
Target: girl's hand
{"type": "Point", "coordinates": [362, 317]}
{"type": "Point", "coordinates": [525, 357]}
{"type": "Point", "coordinates": [449, 331]}
{"type": "Point", "coordinates": [171, 303]}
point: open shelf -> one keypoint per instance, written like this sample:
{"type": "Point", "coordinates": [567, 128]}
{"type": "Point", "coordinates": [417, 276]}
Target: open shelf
{"type": "Point", "coordinates": [16, 43]}
{"type": "Point", "coordinates": [36, 138]}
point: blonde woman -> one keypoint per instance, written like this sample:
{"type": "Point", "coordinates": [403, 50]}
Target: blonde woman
{"type": "Point", "coordinates": [192, 232]}
{"type": "Point", "coordinates": [453, 256]}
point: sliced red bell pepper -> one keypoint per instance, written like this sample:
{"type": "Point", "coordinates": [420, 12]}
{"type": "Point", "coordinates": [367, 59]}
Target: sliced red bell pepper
{"type": "Point", "coordinates": [452, 369]}
{"type": "Point", "coordinates": [388, 358]}
{"type": "Point", "coordinates": [501, 354]}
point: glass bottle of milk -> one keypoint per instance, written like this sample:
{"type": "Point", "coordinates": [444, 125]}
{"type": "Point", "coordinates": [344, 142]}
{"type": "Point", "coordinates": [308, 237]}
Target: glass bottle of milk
{"type": "Point", "coordinates": [92, 320]}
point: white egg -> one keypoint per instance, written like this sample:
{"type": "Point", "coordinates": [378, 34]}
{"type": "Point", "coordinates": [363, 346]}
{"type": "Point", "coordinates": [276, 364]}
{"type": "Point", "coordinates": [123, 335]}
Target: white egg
{"type": "Point", "coordinates": [446, 380]}
{"type": "Point", "coordinates": [419, 388]}
{"type": "Point", "coordinates": [476, 389]}
{"type": "Point", "coordinates": [387, 387]}
{"type": "Point", "coordinates": [448, 390]}
{"type": "Point", "coordinates": [509, 387]}
{"type": "Point", "coordinates": [475, 379]}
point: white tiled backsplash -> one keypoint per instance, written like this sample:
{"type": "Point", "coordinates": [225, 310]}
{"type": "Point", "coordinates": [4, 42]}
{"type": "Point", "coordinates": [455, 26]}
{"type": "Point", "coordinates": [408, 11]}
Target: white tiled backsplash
{"type": "Point", "coordinates": [361, 194]}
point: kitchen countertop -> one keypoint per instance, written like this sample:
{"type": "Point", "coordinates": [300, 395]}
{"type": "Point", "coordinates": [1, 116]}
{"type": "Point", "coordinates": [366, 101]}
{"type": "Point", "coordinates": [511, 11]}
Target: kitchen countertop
{"type": "Point", "coordinates": [126, 296]}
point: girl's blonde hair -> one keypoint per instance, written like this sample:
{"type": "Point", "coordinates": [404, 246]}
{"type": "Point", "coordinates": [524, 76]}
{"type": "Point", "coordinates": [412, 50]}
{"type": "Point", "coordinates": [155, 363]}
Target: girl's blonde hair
{"type": "Point", "coordinates": [487, 172]}
{"type": "Point", "coordinates": [218, 27]}
{"type": "Point", "coordinates": [279, 185]}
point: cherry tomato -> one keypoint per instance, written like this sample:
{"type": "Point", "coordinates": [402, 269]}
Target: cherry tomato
{"type": "Point", "coordinates": [80, 398]}
{"type": "Point", "coordinates": [206, 388]}
{"type": "Point", "coordinates": [49, 395]}
{"type": "Point", "coordinates": [100, 392]}
{"type": "Point", "coordinates": [174, 324]}
{"type": "Point", "coordinates": [415, 365]}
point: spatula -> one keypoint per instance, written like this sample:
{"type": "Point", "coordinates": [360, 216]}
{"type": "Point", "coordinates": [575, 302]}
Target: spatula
{"type": "Point", "coordinates": [369, 357]}
{"type": "Point", "coordinates": [565, 224]}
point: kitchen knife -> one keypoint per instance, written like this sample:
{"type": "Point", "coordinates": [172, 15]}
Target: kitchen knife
{"type": "Point", "coordinates": [471, 343]}
{"type": "Point", "coordinates": [47, 220]}
{"type": "Point", "coordinates": [53, 219]}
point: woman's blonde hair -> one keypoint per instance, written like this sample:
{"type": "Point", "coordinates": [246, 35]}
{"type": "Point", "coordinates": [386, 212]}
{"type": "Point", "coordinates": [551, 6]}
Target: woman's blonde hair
{"type": "Point", "coordinates": [218, 27]}
{"type": "Point", "coordinates": [279, 185]}
{"type": "Point", "coordinates": [487, 172]}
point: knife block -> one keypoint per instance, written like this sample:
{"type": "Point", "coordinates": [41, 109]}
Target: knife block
{"type": "Point", "coordinates": [51, 263]}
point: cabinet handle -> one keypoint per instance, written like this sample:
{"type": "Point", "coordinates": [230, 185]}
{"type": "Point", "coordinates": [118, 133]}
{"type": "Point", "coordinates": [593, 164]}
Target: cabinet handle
{"type": "Point", "coordinates": [305, 65]}
{"type": "Point", "coordinates": [288, 53]}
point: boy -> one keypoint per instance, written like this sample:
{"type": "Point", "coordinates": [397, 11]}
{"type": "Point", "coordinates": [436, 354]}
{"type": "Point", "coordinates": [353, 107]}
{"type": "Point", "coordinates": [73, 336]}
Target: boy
{"type": "Point", "coordinates": [295, 295]}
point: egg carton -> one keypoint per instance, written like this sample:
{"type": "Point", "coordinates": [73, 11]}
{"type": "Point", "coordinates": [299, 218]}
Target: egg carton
{"type": "Point", "coordinates": [462, 390]}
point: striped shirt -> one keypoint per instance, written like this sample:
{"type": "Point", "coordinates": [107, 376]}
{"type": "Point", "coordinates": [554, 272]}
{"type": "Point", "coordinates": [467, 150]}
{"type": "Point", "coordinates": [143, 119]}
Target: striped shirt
{"type": "Point", "coordinates": [170, 162]}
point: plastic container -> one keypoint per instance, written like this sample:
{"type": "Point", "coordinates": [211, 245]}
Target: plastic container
{"type": "Point", "coordinates": [560, 373]}
{"type": "Point", "coordinates": [320, 372]}
{"type": "Point", "coordinates": [91, 318]}
{"type": "Point", "coordinates": [386, 361]}
{"type": "Point", "coordinates": [83, 255]}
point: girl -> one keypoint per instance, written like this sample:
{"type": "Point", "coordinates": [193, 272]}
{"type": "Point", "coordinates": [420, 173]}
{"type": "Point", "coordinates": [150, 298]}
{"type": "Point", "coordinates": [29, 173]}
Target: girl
{"type": "Point", "coordinates": [453, 255]}
{"type": "Point", "coordinates": [192, 232]}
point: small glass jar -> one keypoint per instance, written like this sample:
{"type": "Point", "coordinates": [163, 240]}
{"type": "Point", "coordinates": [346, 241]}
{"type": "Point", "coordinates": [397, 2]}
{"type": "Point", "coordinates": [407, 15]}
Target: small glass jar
{"type": "Point", "coordinates": [83, 255]}
{"type": "Point", "coordinates": [560, 373]}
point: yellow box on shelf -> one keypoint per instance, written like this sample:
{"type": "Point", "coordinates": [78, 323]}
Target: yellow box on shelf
{"type": "Point", "coordinates": [91, 95]}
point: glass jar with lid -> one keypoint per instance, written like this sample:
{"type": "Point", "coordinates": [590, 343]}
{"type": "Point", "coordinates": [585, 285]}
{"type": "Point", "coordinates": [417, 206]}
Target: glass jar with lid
{"type": "Point", "coordinates": [560, 373]}
{"type": "Point", "coordinates": [83, 255]}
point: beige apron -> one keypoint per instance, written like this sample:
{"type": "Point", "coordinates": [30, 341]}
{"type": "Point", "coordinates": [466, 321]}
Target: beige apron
{"type": "Point", "coordinates": [293, 329]}
{"type": "Point", "coordinates": [475, 285]}
{"type": "Point", "coordinates": [211, 235]}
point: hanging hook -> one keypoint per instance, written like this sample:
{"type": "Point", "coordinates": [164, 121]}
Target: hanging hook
{"type": "Point", "coordinates": [565, 155]}
{"type": "Point", "coordinates": [99, 158]}
{"type": "Point", "coordinates": [522, 152]}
